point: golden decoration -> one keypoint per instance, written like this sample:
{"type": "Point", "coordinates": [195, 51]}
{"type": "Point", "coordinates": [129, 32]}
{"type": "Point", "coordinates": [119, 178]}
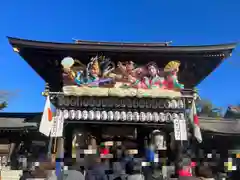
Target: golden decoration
{"type": "Point", "coordinates": [172, 65]}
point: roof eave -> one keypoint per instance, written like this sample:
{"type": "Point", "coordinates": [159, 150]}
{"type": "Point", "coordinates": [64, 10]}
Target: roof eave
{"type": "Point", "coordinates": [97, 46]}
{"type": "Point", "coordinates": [19, 114]}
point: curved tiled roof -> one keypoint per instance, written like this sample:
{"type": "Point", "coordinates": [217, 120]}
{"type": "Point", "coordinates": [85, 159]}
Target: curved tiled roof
{"type": "Point", "coordinates": [45, 57]}
{"type": "Point", "coordinates": [18, 120]}
{"type": "Point", "coordinates": [220, 125]}
{"type": "Point", "coordinates": [118, 46]}
{"type": "Point", "coordinates": [15, 123]}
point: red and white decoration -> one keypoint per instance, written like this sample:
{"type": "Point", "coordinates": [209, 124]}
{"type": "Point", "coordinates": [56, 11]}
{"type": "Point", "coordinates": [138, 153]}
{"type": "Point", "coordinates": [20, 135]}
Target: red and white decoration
{"type": "Point", "coordinates": [195, 122]}
{"type": "Point", "coordinates": [47, 118]}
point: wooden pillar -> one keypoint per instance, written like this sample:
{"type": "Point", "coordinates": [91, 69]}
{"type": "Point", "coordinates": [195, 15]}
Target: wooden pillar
{"type": "Point", "coordinates": [68, 142]}
{"type": "Point", "coordinates": [13, 157]}
{"type": "Point", "coordinates": [60, 148]}
{"type": "Point", "coordinates": [178, 157]}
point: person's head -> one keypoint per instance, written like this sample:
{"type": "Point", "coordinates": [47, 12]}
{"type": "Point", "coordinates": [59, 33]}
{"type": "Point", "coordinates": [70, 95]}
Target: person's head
{"type": "Point", "coordinates": [205, 172]}
{"type": "Point", "coordinates": [133, 167]}
{"type": "Point", "coordinates": [129, 66]}
{"type": "Point", "coordinates": [152, 69]}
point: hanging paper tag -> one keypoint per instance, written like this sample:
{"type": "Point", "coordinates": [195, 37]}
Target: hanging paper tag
{"type": "Point", "coordinates": [183, 129]}
{"type": "Point", "coordinates": [60, 126]}
{"type": "Point", "coordinates": [57, 129]}
{"type": "Point", "coordinates": [177, 131]}
{"type": "Point", "coordinates": [54, 127]}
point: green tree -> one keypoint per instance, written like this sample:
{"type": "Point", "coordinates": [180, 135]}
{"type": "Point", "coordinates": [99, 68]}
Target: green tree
{"type": "Point", "coordinates": [4, 98]}
{"type": "Point", "coordinates": [233, 112]}
{"type": "Point", "coordinates": [206, 108]}
{"type": "Point", "coordinates": [3, 105]}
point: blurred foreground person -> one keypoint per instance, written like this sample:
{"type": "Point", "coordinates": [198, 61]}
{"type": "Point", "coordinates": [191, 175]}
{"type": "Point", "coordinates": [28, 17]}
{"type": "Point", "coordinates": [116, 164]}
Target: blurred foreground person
{"type": "Point", "coordinates": [72, 175]}
{"type": "Point", "coordinates": [153, 172]}
{"type": "Point", "coordinates": [49, 170]}
{"type": "Point", "coordinates": [97, 170]}
{"type": "Point", "coordinates": [26, 175]}
{"type": "Point", "coordinates": [205, 173]}
{"type": "Point", "coordinates": [185, 169]}
{"type": "Point", "coordinates": [118, 165]}
{"type": "Point", "coordinates": [71, 171]}
{"type": "Point", "coordinates": [38, 170]}
{"type": "Point", "coordinates": [133, 171]}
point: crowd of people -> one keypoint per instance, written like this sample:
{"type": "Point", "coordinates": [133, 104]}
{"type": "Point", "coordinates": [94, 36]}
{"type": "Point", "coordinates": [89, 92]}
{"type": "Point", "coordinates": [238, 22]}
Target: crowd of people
{"type": "Point", "coordinates": [121, 166]}
{"type": "Point", "coordinates": [119, 162]}
{"type": "Point", "coordinates": [125, 170]}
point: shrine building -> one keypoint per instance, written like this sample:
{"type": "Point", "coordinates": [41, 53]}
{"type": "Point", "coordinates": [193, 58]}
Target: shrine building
{"type": "Point", "coordinates": [122, 92]}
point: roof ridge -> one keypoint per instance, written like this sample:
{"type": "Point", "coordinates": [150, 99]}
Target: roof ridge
{"type": "Point", "coordinates": [14, 41]}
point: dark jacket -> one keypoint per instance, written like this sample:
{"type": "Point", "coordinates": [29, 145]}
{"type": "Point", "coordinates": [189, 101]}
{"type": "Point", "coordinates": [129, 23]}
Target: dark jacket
{"type": "Point", "coordinates": [26, 175]}
{"type": "Point", "coordinates": [96, 172]}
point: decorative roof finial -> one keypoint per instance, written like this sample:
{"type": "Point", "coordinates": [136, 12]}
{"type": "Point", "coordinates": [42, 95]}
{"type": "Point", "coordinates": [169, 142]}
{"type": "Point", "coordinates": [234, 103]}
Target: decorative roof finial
{"type": "Point", "coordinates": [168, 43]}
{"type": "Point", "coordinates": [46, 90]}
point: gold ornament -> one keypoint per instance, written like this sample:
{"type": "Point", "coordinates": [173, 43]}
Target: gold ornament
{"type": "Point", "coordinates": [172, 65]}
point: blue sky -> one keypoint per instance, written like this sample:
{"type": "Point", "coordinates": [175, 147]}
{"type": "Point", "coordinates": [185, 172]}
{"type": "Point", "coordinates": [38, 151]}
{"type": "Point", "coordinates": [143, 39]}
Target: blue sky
{"type": "Point", "coordinates": [184, 22]}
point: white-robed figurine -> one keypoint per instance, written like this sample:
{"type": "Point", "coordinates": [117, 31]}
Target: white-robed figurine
{"type": "Point", "coordinates": [157, 143]}
{"type": "Point", "coordinates": [158, 140]}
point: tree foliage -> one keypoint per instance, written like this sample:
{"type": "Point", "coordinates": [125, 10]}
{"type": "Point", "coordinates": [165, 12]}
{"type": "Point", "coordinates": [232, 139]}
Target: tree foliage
{"type": "Point", "coordinates": [233, 112]}
{"type": "Point", "coordinates": [3, 105]}
{"type": "Point", "coordinates": [4, 98]}
{"type": "Point", "coordinates": [206, 108]}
